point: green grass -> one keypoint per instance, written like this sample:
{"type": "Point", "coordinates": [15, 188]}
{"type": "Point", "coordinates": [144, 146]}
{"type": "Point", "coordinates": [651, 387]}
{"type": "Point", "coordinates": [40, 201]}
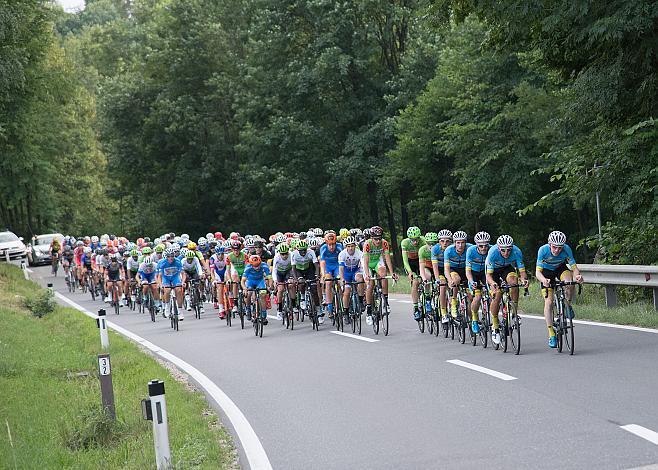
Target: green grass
{"type": "Point", "coordinates": [54, 417]}
{"type": "Point", "coordinates": [589, 306]}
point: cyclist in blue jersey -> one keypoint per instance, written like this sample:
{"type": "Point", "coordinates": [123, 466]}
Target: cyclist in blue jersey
{"type": "Point", "coordinates": [502, 263]}
{"type": "Point", "coordinates": [476, 257]}
{"type": "Point", "coordinates": [169, 277]}
{"type": "Point", "coordinates": [555, 261]}
{"type": "Point", "coordinates": [329, 267]}
{"type": "Point", "coordinates": [438, 258]}
{"type": "Point", "coordinates": [257, 275]}
{"type": "Point", "coordinates": [454, 266]}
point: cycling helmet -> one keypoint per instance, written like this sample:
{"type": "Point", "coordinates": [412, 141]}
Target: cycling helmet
{"type": "Point", "coordinates": [147, 240]}
{"type": "Point", "coordinates": [280, 239]}
{"type": "Point", "coordinates": [349, 241]}
{"type": "Point", "coordinates": [445, 233]}
{"type": "Point", "coordinates": [210, 236]}
{"type": "Point", "coordinates": [557, 238]}
{"type": "Point", "coordinates": [482, 238]}
{"type": "Point", "coordinates": [218, 235]}
{"type": "Point", "coordinates": [354, 232]}
{"type": "Point", "coordinates": [254, 260]}
{"type": "Point", "coordinates": [505, 241]}
{"type": "Point", "coordinates": [79, 243]}
{"type": "Point", "coordinates": [367, 233]}
{"type": "Point", "coordinates": [344, 233]}
{"type": "Point", "coordinates": [431, 237]}
{"type": "Point", "coordinates": [147, 260]}
{"type": "Point", "coordinates": [376, 231]}
{"type": "Point", "coordinates": [302, 245]}
{"type": "Point", "coordinates": [459, 235]}
{"type": "Point", "coordinates": [293, 243]}
{"type": "Point", "coordinates": [191, 246]}
{"type": "Point", "coordinates": [159, 248]}
{"type": "Point", "coordinates": [185, 236]}
{"type": "Point", "coordinates": [189, 254]}
{"type": "Point", "coordinates": [330, 236]}
{"type": "Point", "coordinates": [303, 235]}
{"type": "Point", "coordinates": [121, 248]}
{"type": "Point", "coordinates": [317, 231]}
{"type": "Point", "coordinates": [282, 248]}
{"type": "Point", "coordinates": [236, 244]}
{"type": "Point", "coordinates": [219, 250]}
{"type": "Point", "coordinates": [184, 251]}
{"type": "Point", "coordinates": [310, 234]}
{"type": "Point", "coordinates": [314, 242]}
{"type": "Point", "coordinates": [146, 250]}
{"type": "Point", "coordinates": [170, 252]}
{"type": "Point", "coordinates": [227, 244]}
{"type": "Point", "coordinates": [112, 236]}
{"type": "Point", "coordinates": [126, 254]}
{"type": "Point", "coordinates": [94, 239]}
{"type": "Point", "coordinates": [87, 249]}
{"type": "Point", "coordinates": [178, 240]}
{"type": "Point", "coordinates": [202, 241]}
{"type": "Point", "coordinates": [413, 232]}
{"type": "Point", "coordinates": [249, 243]}
{"type": "Point", "coordinates": [134, 253]}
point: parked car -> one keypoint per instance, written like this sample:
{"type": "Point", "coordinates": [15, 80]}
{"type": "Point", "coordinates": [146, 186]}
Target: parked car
{"type": "Point", "coordinates": [38, 251]}
{"type": "Point", "coordinates": [10, 243]}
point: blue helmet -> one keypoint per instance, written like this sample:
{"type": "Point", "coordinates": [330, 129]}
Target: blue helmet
{"type": "Point", "coordinates": [219, 250]}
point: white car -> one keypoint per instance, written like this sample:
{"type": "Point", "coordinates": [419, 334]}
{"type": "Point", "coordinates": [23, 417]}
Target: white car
{"type": "Point", "coordinates": [38, 251]}
{"type": "Point", "coordinates": [13, 246]}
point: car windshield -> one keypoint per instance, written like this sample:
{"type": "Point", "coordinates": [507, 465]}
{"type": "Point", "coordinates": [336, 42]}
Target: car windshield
{"type": "Point", "coordinates": [43, 240]}
{"type": "Point", "coordinates": [8, 237]}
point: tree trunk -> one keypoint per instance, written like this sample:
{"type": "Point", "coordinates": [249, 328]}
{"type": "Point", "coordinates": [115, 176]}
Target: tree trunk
{"type": "Point", "coordinates": [394, 233]}
{"type": "Point", "coordinates": [372, 202]}
{"type": "Point", "coordinates": [405, 189]}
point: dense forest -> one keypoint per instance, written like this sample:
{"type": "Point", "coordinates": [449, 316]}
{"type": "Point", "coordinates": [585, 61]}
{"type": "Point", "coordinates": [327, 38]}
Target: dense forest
{"type": "Point", "coordinates": [140, 116]}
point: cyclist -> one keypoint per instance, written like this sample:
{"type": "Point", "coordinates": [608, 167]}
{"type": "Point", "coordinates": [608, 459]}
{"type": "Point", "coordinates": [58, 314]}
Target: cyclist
{"type": "Point", "coordinates": [132, 267]}
{"type": "Point", "coordinates": [555, 261]}
{"type": "Point", "coordinates": [425, 265]}
{"type": "Point", "coordinates": [329, 268]}
{"type": "Point", "coordinates": [305, 265]}
{"type": "Point", "coordinates": [350, 269]}
{"type": "Point", "coordinates": [218, 264]}
{"type": "Point", "coordinates": [192, 271]}
{"type": "Point", "coordinates": [410, 247]}
{"type": "Point", "coordinates": [438, 251]}
{"type": "Point", "coordinates": [77, 257]}
{"type": "Point", "coordinates": [376, 259]}
{"type": "Point", "coordinates": [257, 276]}
{"type": "Point", "coordinates": [476, 256]}
{"type": "Point", "coordinates": [454, 266]}
{"type": "Point", "coordinates": [146, 276]}
{"type": "Point", "coordinates": [67, 258]}
{"type": "Point", "coordinates": [55, 247]}
{"type": "Point", "coordinates": [169, 277]}
{"type": "Point", "coordinates": [238, 260]}
{"type": "Point", "coordinates": [114, 275]}
{"type": "Point", "coordinates": [158, 251]}
{"type": "Point", "coordinates": [281, 271]}
{"type": "Point", "coordinates": [502, 263]}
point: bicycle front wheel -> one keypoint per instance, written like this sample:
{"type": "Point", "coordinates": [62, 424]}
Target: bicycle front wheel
{"type": "Point", "coordinates": [569, 335]}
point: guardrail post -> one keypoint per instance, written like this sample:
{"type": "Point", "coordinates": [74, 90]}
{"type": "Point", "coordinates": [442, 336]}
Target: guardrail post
{"type": "Point", "coordinates": [158, 414]}
{"type": "Point", "coordinates": [610, 296]}
{"type": "Point", "coordinates": [107, 391]}
{"type": "Point", "coordinates": [7, 255]}
{"type": "Point", "coordinates": [101, 322]}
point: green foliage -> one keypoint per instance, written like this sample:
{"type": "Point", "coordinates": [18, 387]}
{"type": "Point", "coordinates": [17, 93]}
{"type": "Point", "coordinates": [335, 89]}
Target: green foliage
{"type": "Point", "coordinates": [92, 428]}
{"type": "Point", "coordinates": [41, 303]}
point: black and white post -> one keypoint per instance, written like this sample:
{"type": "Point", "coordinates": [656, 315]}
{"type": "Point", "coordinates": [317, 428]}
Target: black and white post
{"type": "Point", "coordinates": [24, 269]}
{"type": "Point", "coordinates": [107, 391]}
{"type": "Point", "coordinates": [160, 426]}
{"type": "Point", "coordinates": [101, 321]}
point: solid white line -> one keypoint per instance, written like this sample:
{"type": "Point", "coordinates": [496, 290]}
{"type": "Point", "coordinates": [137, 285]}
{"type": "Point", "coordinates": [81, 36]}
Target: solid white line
{"type": "Point", "coordinates": [596, 323]}
{"type": "Point", "coordinates": [484, 370]}
{"type": "Point", "coordinates": [252, 446]}
{"type": "Point", "coordinates": [349, 335]}
{"type": "Point", "coordinates": [405, 301]}
{"type": "Point", "coordinates": [642, 432]}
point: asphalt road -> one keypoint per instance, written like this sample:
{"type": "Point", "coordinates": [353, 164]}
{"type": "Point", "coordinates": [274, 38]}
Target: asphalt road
{"type": "Point", "coordinates": [320, 400]}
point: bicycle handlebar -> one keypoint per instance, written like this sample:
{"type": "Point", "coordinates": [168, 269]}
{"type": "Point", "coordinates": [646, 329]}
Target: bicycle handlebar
{"type": "Point", "coordinates": [555, 283]}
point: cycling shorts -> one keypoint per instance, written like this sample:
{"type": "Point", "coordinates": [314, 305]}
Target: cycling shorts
{"type": "Point", "coordinates": [308, 273]}
{"type": "Point", "coordinates": [191, 275]}
{"type": "Point", "coordinates": [554, 274]}
{"type": "Point", "coordinates": [219, 275]}
{"type": "Point", "coordinates": [331, 271]}
{"type": "Point", "coordinates": [171, 281]}
{"type": "Point", "coordinates": [503, 273]}
{"type": "Point", "coordinates": [114, 275]}
{"type": "Point", "coordinates": [415, 266]}
{"type": "Point", "coordinates": [374, 265]}
{"type": "Point", "coordinates": [260, 284]}
{"type": "Point", "coordinates": [460, 271]}
{"type": "Point", "coordinates": [78, 260]}
{"type": "Point", "coordinates": [236, 272]}
{"type": "Point", "coordinates": [283, 276]}
{"type": "Point", "coordinates": [349, 275]}
{"type": "Point", "coordinates": [148, 278]}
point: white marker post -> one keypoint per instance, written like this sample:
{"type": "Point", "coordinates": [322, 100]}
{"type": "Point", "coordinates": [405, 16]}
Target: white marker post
{"type": "Point", "coordinates": [24, 268]}
{"type": "Point", "coordinates": [158, 414]}
{"type": "Point", "coordinates": [107, 391]}
{"type": "Point", "coordinates": [101, 322]}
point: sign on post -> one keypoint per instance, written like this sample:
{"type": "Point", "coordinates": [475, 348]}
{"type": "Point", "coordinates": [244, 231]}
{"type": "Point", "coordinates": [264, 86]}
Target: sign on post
{"type": "Point", "coordinates": [101, 322]}
{"type": "Point", "coordinates": [107, 391]}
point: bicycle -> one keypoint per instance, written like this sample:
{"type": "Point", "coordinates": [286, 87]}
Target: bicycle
{"type": "Point", "coordinates": [70, 279]}
{"type": "Point", "coordinates": [305, 301]}
{"type": "Point", "coordinates": [484, 317]}
{"type": "Point", "coordinates": [256, 317]}
{"type": "Point", "coordinates": [354, 307]}
{"type": "Point", "coordinates": [510, 323]}
{"type": "Point", "coordinates": [286, 307]}
{"type": "Point", "coordinates": [195, 297]}
{"type": "Point", "coordinates": [460, 323]}
{"type": "Point", "coordinates": [173, 309]}
{"type": "Point", "coordinates": [132, 299]}
{"type": "Point", "coordinates": [563, 323]}
{"type": "Point", "coordinates": [115, 301]}
{"type": "Point", "coordinates": [380, 308]}
{"type": "Point", "coordinates": [428, 319]}
{"type": "Point", "coordinates": [337, 296]}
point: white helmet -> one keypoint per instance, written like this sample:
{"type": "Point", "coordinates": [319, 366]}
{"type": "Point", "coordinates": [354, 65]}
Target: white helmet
{"type": "Point", "coordinates": [459, 235]}
{"type": "Point", "coordinates": [210, 236]}
{"type": "Point", "coordinates": [94, 239]}
{"type": "Point", "coordinates": [557, 238]}
{"type": "Point", "coordinates": [310, 234]}
{"type": "Point", "coordinates": [445, 233]}
{"type": "Point", "coordinates": [349, 241]}
{"type": "Point", "coordinates": [314, 242]}
{"type": "Point", "coordinates": [505, 241]}
{"type": "Point", "coordinates": [482, 237]}
{"type": "Point", "coordinates": [147, 260]}
{"type": "Point", "coordinates": [185, 236]}
{"type": "Point", "coordinates": [202, 241]}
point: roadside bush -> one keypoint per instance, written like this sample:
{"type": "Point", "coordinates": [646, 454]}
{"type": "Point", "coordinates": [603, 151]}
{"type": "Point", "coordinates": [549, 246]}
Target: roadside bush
{"type": "Point", "coordinates": [41, 304]}
{"type": "Point", "coordinates": [92, 428]}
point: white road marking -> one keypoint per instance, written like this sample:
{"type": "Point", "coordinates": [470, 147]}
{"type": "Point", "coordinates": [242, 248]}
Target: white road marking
{"type": "Point", "coordinates": [595, 323]}
{"type": "Point", "coordinates": [484, 370]}
{"type": "Point", "coordinates": [405, 301]}
{"type": "Point", "coordinates": [349, 335]}
{"type": "Point", "coordinates": [642, 432]}
{"type": "Point", "coordinates": [252, 446]}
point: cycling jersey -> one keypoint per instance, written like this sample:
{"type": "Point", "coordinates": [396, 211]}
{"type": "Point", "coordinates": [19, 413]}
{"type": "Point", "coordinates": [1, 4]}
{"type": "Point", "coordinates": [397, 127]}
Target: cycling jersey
{"type": "Point", "coordinates": [77, 253]}
{"type": "Point", "coordinates": [256, 277]}
{"type": "Point", "coordinates": [303, 262]}
{"type": "Point", "coordinates": [412, 247]}
{"type": "Point", "coordinates": [330, 258]}
{"type": "Point", "coordinates": [147, 269]}
{"type": "Point", "coordinates": [351, 262]}
{"type": "Point", "coordinates": [238, 262]}
{"type": "Point", "coordinates": [474, 260]}
{"type": "Point", "coordinates": [132, 265]}
{"type": "Point", "coordinates": [453, 259]}
{"type": "Point", "coordinates": [114, 271]}
{"type": "Point", "coordinates": [496, 261]}
{"type": "Point", "coordinates": [85, 260]}
{"type": "Point", "coordinates": [193, 267]}
{"type": "Point", "coordinates": [546, 260]}
{"type": "Point", "coordinates": [438, 255]}
{"type": "Point", "coordinates": [217, 264]}
{"type": "Point", "coordinates": [375, 253]}
{"type": "Point", "coordinates": [281, 264]}
{"type": "Point", "coordinates": [425, 256]}
{"type": "Point", "coordinates": [170, 272]}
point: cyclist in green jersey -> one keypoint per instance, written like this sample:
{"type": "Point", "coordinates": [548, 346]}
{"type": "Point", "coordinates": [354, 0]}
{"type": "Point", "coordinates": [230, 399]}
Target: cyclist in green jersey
{"type": "Point", "coordinates": [410, 247]}
{"type": "Point", "coordinates": [237, 259]}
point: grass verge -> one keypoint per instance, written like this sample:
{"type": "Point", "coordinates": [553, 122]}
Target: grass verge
{"type": "Point", "coordinates": [51, 395]}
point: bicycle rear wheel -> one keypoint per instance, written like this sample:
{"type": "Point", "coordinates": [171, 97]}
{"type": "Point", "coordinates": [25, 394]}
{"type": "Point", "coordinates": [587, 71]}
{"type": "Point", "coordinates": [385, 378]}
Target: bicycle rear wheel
{"type": "Point", "coordinates": [385, 324]}
{"type": "Point", "coordinates": [151, 306]}
{"type": "Point", "coordinates": [484, 330]}
{"type": "Point", "coordinates": [569, 335]}
{"type": "Point", "coordinates": [515, 333]}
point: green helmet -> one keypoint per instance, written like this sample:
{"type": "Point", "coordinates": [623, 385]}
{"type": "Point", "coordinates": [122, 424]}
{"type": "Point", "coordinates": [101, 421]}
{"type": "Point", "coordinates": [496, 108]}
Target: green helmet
{"type": "Point", "coordinates": [282, 248]}
{"type": "Point", "coordinates": [293, 243]}
{"type": "Point", "coordinates": [190, 254]}
{"type": "Point", "coordinates": [302, 245]}
{"type": "Point", "coordinates": [432, 237]}
{"type": "Point", "coordinates": [146, 251]}
{"type": "Point", "coordinates": [413, 232]}
{"type": "Point", "coordinates": [159, 248]}
{"type": "Point", "coordinates": [134, 252]}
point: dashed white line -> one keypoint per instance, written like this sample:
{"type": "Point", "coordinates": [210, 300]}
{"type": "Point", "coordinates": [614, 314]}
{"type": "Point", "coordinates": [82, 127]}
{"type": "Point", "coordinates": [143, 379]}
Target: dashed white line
{"type": "Point", "coordinates": [642, 432]}
{"type": "Point", "coordinates": [349, 335]}
{"type": "Point", "coordinates": [484, 370]}
{"type": "Point", "coordinates": [252, 446]}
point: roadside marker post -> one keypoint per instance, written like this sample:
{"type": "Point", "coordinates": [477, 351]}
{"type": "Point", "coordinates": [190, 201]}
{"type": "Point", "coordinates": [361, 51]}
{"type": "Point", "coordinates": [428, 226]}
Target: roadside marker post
{"type": "Point", "coordinates": [24, 269]}
{"type": "Point", "coordinates": [101, 322]}
{"type": "Point", "coordinates": [107, 391]}
{"type": "Point", "coordinates": [154, 409]}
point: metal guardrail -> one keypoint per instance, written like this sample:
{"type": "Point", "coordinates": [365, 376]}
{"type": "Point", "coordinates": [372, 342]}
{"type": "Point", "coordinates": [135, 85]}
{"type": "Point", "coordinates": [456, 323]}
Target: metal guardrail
{"type": "Point", "coordinates": [611, 275]}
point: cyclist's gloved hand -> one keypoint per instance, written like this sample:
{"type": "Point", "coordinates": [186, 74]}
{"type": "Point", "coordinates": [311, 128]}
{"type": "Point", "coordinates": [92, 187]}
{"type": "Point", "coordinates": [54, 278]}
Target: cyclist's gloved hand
{"type": "Point", "coordinates": [471, 285]}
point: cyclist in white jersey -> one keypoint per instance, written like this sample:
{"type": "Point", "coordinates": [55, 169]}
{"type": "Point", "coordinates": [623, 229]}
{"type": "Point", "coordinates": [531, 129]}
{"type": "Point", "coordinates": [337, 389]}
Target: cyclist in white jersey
{"type": "Point", "coordinates": [350, 269]}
